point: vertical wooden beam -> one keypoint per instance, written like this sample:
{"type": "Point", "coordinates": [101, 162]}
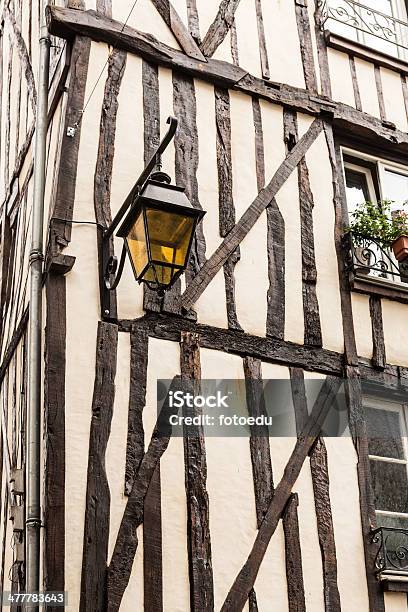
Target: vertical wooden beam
{"type": "Point", "coordinates": [234, 43]}
{"type": "Point", "coordinates": [340, 212]}
{"type": "Point", "coordinates": [325, 83]}
{"type": "Point", "coordinates": [106, 153]}
{"type": "Point", "coordinates": [306, 47]}
{"type": "Point", "coordinates": [367, 510]}
{"type": "Point", "coordinates": [104, 7]}
{"type": "Point", "coordinates": [193, 20]}
{"type": "Point", "coordinates": [139, 350]}
{"type": "Point", "coordinates": [259, 439]}
{"type": "Point", "coordinates": [263, 52]}
{"type": "Point", "coordinates": [225, 197]}
{"type": "Point", "coordinates": [67, 172]}
{"type": "Point", "coordinates": [380, 93]}
{"type": "Point", "coordinates": [8, 116]}
{"type": "Point", "coordinates": [405, 92]}
{"type": "Point", "coordinates": [312, 332]}
{"type": "Point", "coordinates": [152, 546]}
{"type": "Point", "coordinates": [199, 540]}
{"type": "Point", "coordinates": [379, 359]}
{"type": "Point", "coordinates": [54, 427]}
{"type": "Point", "coordinates": [293, 556]}
{"type": "Point", "coordinates": [97, 512]}
{"type": "Point", "coordinates": [354, 79]}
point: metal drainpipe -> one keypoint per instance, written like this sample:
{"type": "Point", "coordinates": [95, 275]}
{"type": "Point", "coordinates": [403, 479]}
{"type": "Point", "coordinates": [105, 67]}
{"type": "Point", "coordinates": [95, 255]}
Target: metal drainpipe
{"type": "Point", "coordinates": [33, 474]}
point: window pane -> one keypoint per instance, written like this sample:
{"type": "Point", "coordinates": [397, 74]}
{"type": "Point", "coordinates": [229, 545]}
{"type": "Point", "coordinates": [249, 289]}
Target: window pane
{"type": "Point", "coordinates": [356, 189]}
{"type": "Point", "coordinates": [390, 486]}
{"type": "Point", "coordinates": [395, 188]}
{"type": "Point", "coordinates": [384, 433]}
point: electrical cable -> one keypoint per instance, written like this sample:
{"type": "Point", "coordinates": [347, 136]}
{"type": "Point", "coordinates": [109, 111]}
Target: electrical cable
{"type": "Point", "coordinates": [76, 125]}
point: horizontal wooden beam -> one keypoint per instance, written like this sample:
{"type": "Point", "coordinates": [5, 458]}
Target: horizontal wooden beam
{"type": "Point", "coordinates": [68, 23]}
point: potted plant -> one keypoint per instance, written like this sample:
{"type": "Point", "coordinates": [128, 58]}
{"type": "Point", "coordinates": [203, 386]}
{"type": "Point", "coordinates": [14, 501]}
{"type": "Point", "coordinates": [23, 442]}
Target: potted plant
{"type": "Point", "coordinates": [375, 221]}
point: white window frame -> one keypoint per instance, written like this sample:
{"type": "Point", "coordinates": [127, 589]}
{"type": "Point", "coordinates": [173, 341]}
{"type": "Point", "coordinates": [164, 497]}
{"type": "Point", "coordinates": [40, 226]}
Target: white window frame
{"type": "Point", "coordinates": [402, 410]}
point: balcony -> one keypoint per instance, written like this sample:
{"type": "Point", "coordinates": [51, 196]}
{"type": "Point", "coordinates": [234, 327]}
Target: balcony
{"type": "Point", "coordinates": [391, 561]}
{"type": "Point", "coordinates": [367, 27]}
{"type": "Point", "coordinates": [373, 267]}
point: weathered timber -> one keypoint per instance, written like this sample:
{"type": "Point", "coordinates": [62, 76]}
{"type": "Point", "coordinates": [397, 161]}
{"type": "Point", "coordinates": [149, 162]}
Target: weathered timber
{"type": "Point", "coordinates": [320, 480]}
{"type": "Point", "coordinates": [219, 27]}
{"type": "Point", "coordinates": [151, 134]}
{"type": "Point", "coordinates": [76, 4]}
{"type": "Point", "coordinates": [8, 115]}
{"type": "Point", "coordinates": [97, 512]}
{"type": "Point", "coordinates": [252, 601]}
{"type": "Point", "coordinates": [259, 143]}
{"type": "Point", "coordinates": [54, 427]}
{"type": "Point", "coordinates": [380, 93]}
{"type": "Point", "coordinates": [275, 319]}
{"type": "Point", "coordinates": [245, 580]}
{"type": "Point", "coordinates": [379, 358]}
{"type": "Point", "coordinates": [195, 463]}
{"type": "Point", "coordinates": [250, 216]}
{"type": "Point", "coordinates": [322, 51]}
{"type": "Point", "coordinates": [124, 551]}
{"type": "Point", "coordinates": [306, 47]}
{"type": "Point", "coordinates": [152, 546]}
{"type": "Point", "coordinates": [1, 89]}
{"type": "Point", "coordinates": [193, 20]}
{"type": "Point", "coordinates": [104, 7]}
{"type": "Point", "coordinates": [139, 350]}
{"type": "Point", "coordinates": [367, 510]}
{"type": "Point", "coordinates": [263, 52]}
{"type": "Point", "coordinates": [179, 30]}
{"type": "Point", "coordinates": [312, 327]}
{"type": "Point", "coordinates": [405, 92]}
{"type": "Point", "coordinates": [105, 156]}
{"type": "Point", "coordinates": [354, 79]}
{"type": "Point", "coordinates": [339, 200]}
{"type": "Point", "coordinates": [271, 350]}
{"type": "Point", "coordinates": [24, 57]}
{"type": "Point", "coordinates": [69, 23]}
{"type": "Point", "coordinates": [67, 173]}
{"type": "Point", "coordinates": [293, 556]}
{"type": "Point", "coordinates": [259, 439]}
{"type": "Point", "coordinates": [225, 196]}
{"type": "Point", "coordinates": [234, 43]}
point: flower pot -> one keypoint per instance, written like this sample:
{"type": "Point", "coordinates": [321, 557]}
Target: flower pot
{"type": "Point", "coordinates": [400, 248]}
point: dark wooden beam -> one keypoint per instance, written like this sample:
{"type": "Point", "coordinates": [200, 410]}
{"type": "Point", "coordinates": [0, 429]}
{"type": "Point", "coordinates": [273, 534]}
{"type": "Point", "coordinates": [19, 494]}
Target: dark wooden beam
{"type": "Point", "coordinates": [195, 467]}
{"type": "Point", "coordinates": [239, 592]}
{"type": "Point", "coordinates": [249, 218]}
{"type": "Point", "coordinates": [263, 51]}
{"type": "Point", "coordinates": [219, 27]}
{"type": "Point", "coordinates": [271, 350]}
{"type": "Point", "coordinates": [306, 47]}
{"type": "Point", "coordinates": [354, 79]}
{"type": "Point", "coordinates": [179, 30]}
{"type": "Point", "coordinates": [379, 359]}
{"type": "Point", "coordinates": [293, 556]}
{"type": "Point", "coordinates": [97, 512]}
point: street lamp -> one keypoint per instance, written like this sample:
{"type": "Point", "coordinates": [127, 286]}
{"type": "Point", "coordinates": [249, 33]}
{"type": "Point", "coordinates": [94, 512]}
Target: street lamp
{"type": "Point", "coordinates": [158, 230]}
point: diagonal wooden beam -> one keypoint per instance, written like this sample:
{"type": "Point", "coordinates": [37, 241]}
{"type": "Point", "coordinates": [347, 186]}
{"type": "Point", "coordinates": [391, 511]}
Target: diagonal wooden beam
{"type": "Point", "coordinates": [239, 592]}
{"type": "Point", "coordinates": [179, 30]}
{"type": "Point", "coordinates": [219, 27]}
{"type": "Point", "coordinates": [249, 218]}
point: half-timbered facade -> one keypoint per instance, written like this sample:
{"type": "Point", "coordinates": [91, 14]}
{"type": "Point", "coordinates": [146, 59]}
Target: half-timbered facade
{"type": "Point", "coordinates": [290, 112]}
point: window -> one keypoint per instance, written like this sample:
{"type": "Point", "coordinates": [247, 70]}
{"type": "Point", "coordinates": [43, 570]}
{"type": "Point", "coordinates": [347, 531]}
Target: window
{"type": "Point", "coordinates": [371, 179]}
{"type": "Point", "coordinates": [388, 451]}
{"type": "Point", "coordinates": [378, 24]}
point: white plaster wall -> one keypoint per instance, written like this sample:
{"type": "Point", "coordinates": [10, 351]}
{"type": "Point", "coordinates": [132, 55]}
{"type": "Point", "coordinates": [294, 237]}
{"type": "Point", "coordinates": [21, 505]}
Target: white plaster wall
{"type": "Point", "coordinates": [251, 272]}
{"type": "Point", "coordinates": [395, 321]}
{"type": "Point", "coordinates": [144, 18]}
{"type": "Point", "coordinates": [230, 488]}
{"type": "Point", "coordinates": [362, 324]}
{"type": "Point", "coordinates": [394, 98]}
{"type": "Point", "coordinates": [327, 286]}
{"type": "Point", "coordinates": [211, 305]}
{"type": "Point", "coordinates": [247, 30]}
{"type": "Point", "coordinates": [395, 602]}
{"type": "Point", "coordinates": [367, 87]}
{"type": "Point", "coordinates": [340, 77]}
{"type": "Point", "coordinates": [285, 67]}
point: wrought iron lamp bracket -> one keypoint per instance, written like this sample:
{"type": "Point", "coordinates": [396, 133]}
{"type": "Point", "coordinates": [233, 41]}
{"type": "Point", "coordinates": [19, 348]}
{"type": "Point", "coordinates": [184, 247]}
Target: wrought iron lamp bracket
{"type": "Point", "coordinates": [108, 263]}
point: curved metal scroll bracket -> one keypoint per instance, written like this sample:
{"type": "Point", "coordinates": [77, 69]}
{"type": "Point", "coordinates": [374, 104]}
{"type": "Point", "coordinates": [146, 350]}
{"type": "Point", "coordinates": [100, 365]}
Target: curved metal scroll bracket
{"type": "Point", "coordinates": [113, 270]}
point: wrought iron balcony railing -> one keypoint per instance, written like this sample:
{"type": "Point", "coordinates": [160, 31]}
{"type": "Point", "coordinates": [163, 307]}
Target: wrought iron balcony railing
{"type": "Point", "coordinates": [366, 25]}
{"type": "Point", "coordinates": [368, 259]}
{"type": "Point", "coordinates": [392, 554]}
